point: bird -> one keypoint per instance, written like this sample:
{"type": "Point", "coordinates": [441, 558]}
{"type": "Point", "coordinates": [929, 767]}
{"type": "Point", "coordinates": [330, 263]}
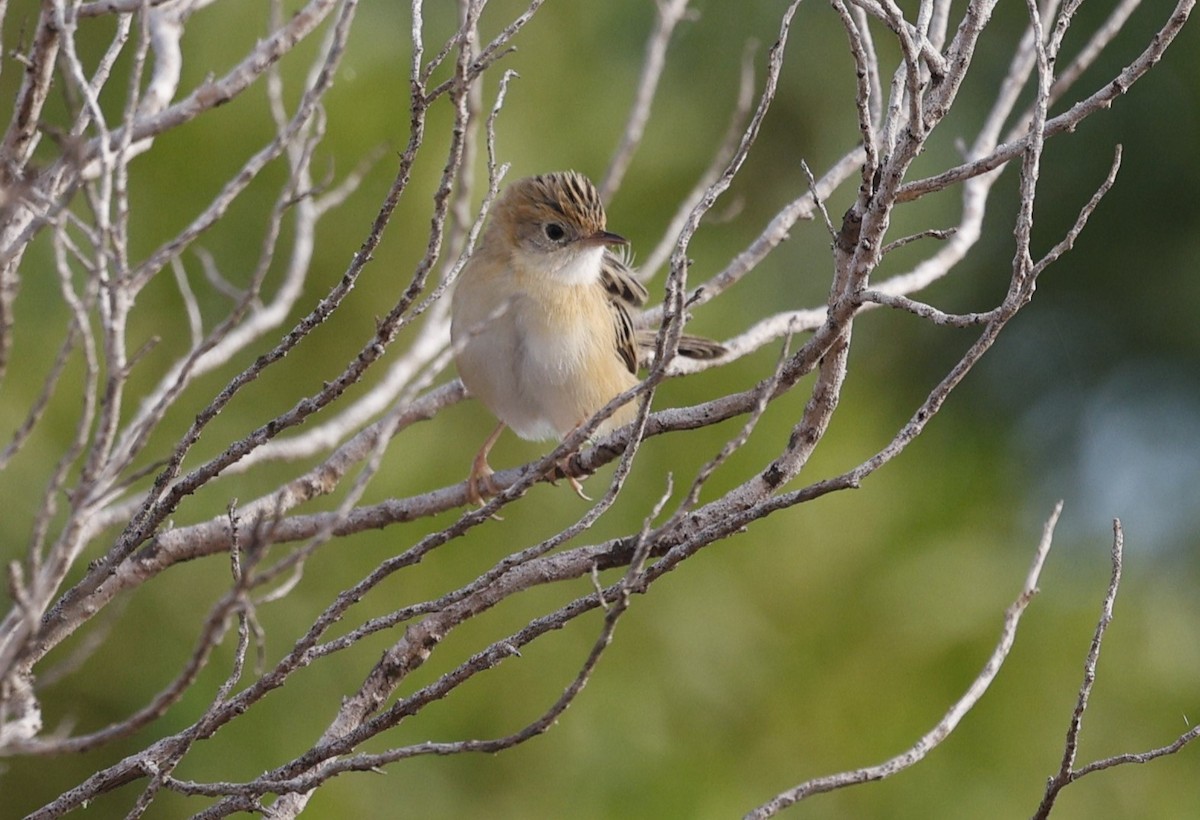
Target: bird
{"type": "Point", "coordinates": [542, 317]}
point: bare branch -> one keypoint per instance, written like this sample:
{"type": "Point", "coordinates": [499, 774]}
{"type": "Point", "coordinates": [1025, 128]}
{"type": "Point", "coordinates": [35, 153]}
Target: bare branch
{"type": "Point", "coordinates": [1065, 122]}
{"type": "Point", "coordinates": [148, 448]}
{"type": "Point", "coordinates": [1066, 773]}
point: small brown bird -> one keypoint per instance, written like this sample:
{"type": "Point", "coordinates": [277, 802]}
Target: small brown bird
{"type": "Point", "coordinates": [540, 317]}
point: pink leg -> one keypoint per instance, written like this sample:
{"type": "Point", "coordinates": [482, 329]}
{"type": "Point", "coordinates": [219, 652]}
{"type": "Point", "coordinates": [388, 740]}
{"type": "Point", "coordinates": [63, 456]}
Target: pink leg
{"type": "Point", "coordinates": [481, 471]}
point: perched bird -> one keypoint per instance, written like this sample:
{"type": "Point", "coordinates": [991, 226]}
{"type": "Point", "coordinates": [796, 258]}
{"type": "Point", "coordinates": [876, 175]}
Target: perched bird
{"type": "Point", "coordinates": [540, 317]}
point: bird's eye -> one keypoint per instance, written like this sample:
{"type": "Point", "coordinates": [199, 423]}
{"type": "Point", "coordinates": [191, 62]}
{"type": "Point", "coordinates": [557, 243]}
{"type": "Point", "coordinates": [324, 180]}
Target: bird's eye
{"type": "Point", "coordinates": [554, 231]}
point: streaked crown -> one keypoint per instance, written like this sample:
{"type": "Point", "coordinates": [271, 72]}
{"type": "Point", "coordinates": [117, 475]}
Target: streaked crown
{"type": "Point", "coordinates": [566, 195]}
{"type": "Point", "coordinates": [551, 213]}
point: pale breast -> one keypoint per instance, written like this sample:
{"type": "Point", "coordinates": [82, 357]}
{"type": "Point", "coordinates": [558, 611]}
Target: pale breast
{"type": "Point", "coordinates": [569, 359]}
{"type": "Point", "coordinates": [539, 351]}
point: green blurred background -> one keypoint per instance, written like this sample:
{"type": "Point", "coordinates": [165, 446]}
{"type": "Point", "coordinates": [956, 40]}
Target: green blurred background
{"type": "Point", "coordinates": [827, 637]}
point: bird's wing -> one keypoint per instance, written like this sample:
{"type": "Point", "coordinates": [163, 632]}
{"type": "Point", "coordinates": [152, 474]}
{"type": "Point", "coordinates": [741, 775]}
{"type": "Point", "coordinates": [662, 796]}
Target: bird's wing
{"type": "Point", "coordinates": [624, 292]}
{"type": "Point", "coordinates": [637, 346]}
{"type": "Point", "coordinates": [626, 338]}
{"type": "Point", "coordinates": [618, 279]}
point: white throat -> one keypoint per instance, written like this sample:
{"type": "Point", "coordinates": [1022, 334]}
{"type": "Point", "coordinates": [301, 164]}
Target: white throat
{"type": "Point", "coordinates": [583, 268]}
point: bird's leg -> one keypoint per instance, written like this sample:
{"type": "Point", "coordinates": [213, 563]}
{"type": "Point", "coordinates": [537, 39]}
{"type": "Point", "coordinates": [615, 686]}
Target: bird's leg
{"type": "Point", "coordinates": [481, 471]}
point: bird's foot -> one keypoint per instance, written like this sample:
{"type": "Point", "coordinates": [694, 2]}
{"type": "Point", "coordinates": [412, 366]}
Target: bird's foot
{"type": "Point", "coordinates": [480, 485]}
{"type": "Point", "coordinates": [560, 471]}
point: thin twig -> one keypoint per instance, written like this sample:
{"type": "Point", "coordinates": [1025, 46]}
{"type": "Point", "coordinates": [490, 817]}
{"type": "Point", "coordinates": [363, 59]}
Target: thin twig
{"type": "Point", "coordinates": [944, 727]}
{"type": "Point", "coordinates": [670, 13]}
{"type": "Point", "coordinates": [1066, 773]}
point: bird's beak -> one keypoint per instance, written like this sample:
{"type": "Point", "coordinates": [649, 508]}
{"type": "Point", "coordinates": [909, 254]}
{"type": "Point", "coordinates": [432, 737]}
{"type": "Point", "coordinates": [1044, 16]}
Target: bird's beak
{"type": "Point", "coordinates": [607, 238]}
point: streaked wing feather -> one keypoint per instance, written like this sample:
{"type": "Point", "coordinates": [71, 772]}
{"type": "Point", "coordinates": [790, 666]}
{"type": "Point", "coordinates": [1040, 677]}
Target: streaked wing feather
{"type": "Point", "coordinates": [636, 346]}
{"type": "Point", "coordinates": [619, 281]}
{"type": "Point", "coordinates": [626, 338]}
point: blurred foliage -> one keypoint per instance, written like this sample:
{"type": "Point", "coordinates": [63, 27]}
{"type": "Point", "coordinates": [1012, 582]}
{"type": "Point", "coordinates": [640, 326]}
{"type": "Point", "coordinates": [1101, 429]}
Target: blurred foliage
{"type": "Point", "coordinates": [827, 637]}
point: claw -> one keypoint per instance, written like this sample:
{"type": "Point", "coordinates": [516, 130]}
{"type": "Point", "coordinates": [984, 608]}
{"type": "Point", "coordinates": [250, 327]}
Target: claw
{"type": "Point", "coordinates": [560, 471]}
{"type": "Point", "coordinates": [578, 488]}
